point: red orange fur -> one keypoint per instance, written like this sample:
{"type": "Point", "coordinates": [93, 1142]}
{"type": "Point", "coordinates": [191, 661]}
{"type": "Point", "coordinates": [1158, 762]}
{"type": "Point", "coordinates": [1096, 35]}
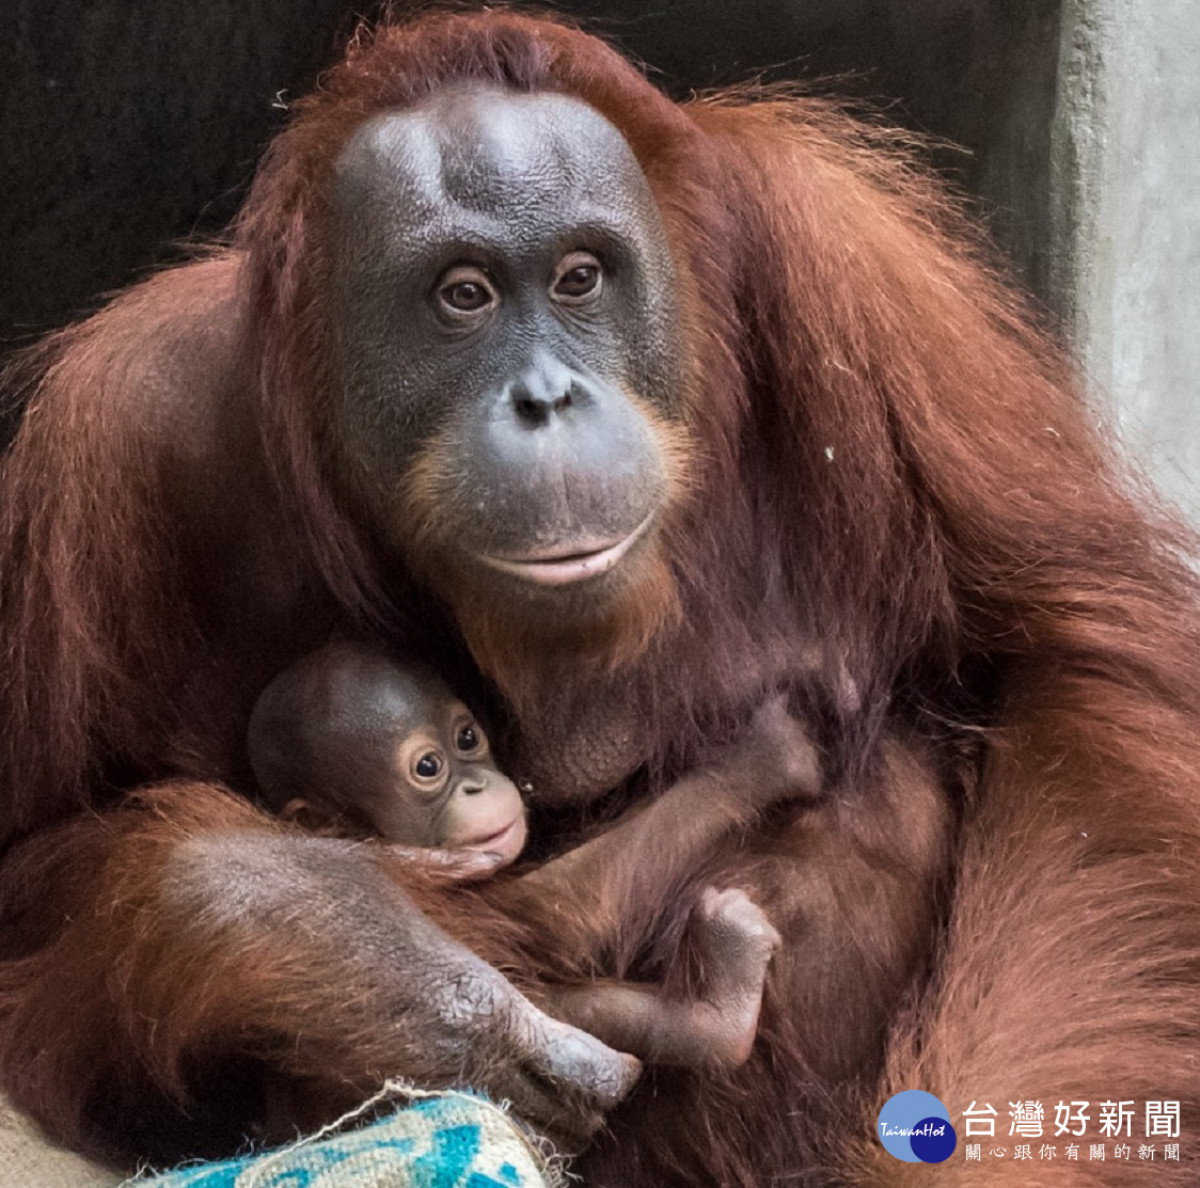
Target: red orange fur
{"type": "Point", "coordinates": [893, 462]}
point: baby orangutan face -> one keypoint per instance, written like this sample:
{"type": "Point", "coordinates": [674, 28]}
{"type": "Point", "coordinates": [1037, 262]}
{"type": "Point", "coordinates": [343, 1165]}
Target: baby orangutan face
{"type": "Point", "coordinates": [352, 740]}
{"type": "Point", "coordinates": [447, 793]}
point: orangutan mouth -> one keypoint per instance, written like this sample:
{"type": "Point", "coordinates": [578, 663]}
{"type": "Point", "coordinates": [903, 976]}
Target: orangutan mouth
{"type": "Point", "coordinates": [506, 842]}
{"type": "Point", "coordinates": [566, 568]}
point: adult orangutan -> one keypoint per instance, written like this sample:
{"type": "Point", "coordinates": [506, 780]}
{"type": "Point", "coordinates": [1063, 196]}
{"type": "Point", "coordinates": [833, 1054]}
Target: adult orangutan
{"type": "Point", "coordinates": [622, 416]}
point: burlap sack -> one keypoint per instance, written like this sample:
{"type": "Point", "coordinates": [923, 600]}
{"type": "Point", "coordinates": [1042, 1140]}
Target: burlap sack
{"type": "Point", "coordinates": [442, 1141]}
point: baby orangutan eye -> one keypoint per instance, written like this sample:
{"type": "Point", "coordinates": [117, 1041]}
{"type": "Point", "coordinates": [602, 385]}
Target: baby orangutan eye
{"type": "Point", "coordinates": [469, 738]}
{"type": "Point", "coordinates": [428, 766]}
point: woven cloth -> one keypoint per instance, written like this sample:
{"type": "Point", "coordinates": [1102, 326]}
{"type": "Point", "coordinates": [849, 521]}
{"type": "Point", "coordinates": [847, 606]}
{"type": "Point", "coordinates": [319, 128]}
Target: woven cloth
{"type": "Point", "coordinates": [450, 1140]}
{"type": "Point", "coordinates": [445, 1141]}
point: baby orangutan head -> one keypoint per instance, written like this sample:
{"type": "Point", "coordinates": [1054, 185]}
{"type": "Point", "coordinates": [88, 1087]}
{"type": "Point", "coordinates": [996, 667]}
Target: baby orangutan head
{"type": "Point", "coordinates": [361, 741]}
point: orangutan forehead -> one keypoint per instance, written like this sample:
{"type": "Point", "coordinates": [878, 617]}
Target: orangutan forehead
{"type": "Point", "coordinates": [488, 151]}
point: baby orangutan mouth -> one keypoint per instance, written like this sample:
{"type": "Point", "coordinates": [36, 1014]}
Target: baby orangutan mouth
{"type": "Point", "coordinates": [505, 844]}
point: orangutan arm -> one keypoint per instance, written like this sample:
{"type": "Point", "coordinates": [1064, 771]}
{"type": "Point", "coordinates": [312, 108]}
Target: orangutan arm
{"type": "Point", "coordinates": [188, 917]}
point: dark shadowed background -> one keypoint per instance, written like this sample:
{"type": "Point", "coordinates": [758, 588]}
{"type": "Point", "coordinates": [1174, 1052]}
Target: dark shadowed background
{"type": "Point", "coordinates": [127, 126]}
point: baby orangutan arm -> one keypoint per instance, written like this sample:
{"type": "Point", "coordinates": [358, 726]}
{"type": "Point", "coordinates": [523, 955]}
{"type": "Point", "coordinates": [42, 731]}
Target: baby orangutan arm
{"type": "Point", "coordinates": [634, 866]}
{"type": "Point", "coordinates": [615, 885]}
{"type": "Point", "coordinates": [734, 941]}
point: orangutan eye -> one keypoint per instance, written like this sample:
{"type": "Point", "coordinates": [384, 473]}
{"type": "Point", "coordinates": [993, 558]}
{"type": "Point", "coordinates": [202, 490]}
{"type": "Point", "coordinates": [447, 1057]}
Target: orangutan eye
{"type": "Point", "coordinates": [466, 291]}
{"type": "Point", "coordinates": [578, 279]}
{"type": "Point", "coordinates": [428, 766]}
{"type": "Point", "coordinates": [469, 738]}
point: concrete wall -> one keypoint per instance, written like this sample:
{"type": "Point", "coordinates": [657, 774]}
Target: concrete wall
{"type": "Point", "coordinates": [1125, 222]}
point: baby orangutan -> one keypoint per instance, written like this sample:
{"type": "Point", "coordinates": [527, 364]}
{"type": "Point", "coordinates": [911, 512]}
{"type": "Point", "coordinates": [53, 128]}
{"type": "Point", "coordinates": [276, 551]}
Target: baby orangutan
{"type": "Point", "coordinates": [348, 740]}
{"type": "Point", "coordinates": [376, 747]}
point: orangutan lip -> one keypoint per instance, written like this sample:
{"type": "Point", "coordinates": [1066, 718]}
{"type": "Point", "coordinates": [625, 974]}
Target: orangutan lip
{"type": "Point", "coordinates": [564, 569]}
{"type": "Point", "coordinates": [494, 840]}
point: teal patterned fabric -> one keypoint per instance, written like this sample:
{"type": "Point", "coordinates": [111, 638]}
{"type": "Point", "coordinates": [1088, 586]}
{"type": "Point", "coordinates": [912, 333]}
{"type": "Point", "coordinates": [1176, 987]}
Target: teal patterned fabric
{"type": "Point", "coordinates": [450, 1141]}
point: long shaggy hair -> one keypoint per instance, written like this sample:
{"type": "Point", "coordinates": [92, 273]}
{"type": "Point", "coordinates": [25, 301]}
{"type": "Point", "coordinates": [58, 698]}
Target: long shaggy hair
{"type": "Point", "coordinates": [897, 483]}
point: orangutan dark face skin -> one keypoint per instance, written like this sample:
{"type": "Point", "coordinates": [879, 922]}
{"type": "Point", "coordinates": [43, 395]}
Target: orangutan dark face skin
{"type": "Point", "coordinates": [502, 286]}
{"type": "Point", "coordinates": [351, 735]}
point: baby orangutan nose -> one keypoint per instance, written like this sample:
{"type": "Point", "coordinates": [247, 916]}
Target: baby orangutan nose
{"type": "Point", "coordinates": [485, 814]}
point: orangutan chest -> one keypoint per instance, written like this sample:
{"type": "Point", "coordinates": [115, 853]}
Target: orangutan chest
{"type": "Point", "coordinates": [571, 750]}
